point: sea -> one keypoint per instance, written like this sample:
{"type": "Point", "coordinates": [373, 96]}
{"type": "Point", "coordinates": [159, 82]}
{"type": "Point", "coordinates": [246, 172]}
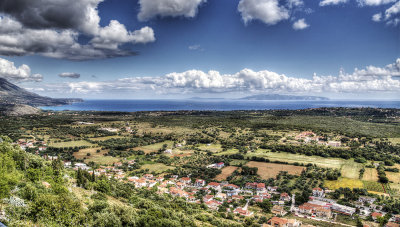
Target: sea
{"type": "Point", "coordinates": [214, 104]}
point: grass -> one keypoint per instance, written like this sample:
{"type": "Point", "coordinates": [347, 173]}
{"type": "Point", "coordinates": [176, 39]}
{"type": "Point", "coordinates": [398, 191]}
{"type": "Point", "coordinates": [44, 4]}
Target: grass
{"type": "Point", "coordinates": [270, 170]}
{"type": "Point", "coordinates": [227, 152]}
{"type": "Point", "coordinates": [237, 162]}
{"type": "Point", "coordinates": [343, 182]}
{"type": "Point", "coordinates": [77, 143]}
{"type": "Point", "coordinates": [226, 172]}
{"type": "Point", "coordinates": [395, 140]}
{"type": "Point", "coordinates": [213, 147]}
{"type": "Point", "coordinates": [349, 168]}
{"type": "Point", "coordinates": [370, 174]}
{"type": "Point", "coordinates": [373, 186]}
{"type": "Point", "coordinates": [155, 147]}
{"type": "Point", "coordinates": [157, 167]}
{"type": "Point", "coordinates": [104, 138]}
{"type": "Point", "coordinates": [98, 158]}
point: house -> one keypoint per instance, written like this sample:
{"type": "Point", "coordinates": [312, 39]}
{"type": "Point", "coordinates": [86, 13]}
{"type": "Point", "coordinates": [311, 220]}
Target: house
{"type": "Point", "coordinates": [168, 151]}
{"type": "Point", "coordinates": [148, 176]}
{"type": "Point", "coordinates": [343, 209]}
{"type": "Point", "coordinates": [375, 215]}
{"type": "Point", "coordinates": [285, 197]}
{"type": "Point", "coordinates": [208, 198]}
{"type": "Point", "coordinates": [278, 210]}
{"type": "Point", "coordinates": [334, 143]}
{"type": "Point", "coordinates": [185, 180]}
{"type": "Point", "coordinates": [318, 210]}
{"type": "Point", "coordinates": [243, 211]}
{"type": "Point", "coordinates": [318, 192]}
{"type": "Point", "coordinates": [272, 189]}
{"type": "Point", "coordinates": [219, 165]}
{"type": "Point", "coordinates": [255, 186]}
{"type": "Point", "coordinates": [214, 185]}
{"type": "Point", "coordinates": [392, 224]}
{"type": "Point", "coordinates": [213, 204]}
{"type": "Point", "coordinates": [199, 183]}
{"type": "Point", "coordinates": [283, 222]}
{"type": "Point", "coordinates": [366, 199]}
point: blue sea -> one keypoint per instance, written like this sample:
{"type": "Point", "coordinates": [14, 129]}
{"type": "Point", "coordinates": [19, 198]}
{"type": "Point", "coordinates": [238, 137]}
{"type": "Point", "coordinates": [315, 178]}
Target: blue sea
{"type": "Point", "coordinates": [213, 104]}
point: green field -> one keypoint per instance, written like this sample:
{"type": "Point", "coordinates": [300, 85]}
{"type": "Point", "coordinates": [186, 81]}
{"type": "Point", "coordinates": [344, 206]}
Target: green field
{"type": "Point", "coordinates": [213, 147]}
{"type": "Point", "coordinates": [343, 183]}
{"type": "Point", "coordinates": [77, 143]}
{"type": "Point", "coordinates": [155, 147]}
{"type": "Point", "coordinates": [349, 168]}
{"type": "Point", "coordinates": [157, 167]}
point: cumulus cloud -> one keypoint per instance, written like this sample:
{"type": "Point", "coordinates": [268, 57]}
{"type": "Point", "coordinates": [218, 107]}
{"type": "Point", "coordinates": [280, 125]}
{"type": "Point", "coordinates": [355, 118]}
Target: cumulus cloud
{"type": "Point", "coordinates": [374, 2]}
{"type": "Point", "coordinates": [268, 11]}
{"type": "Point", "coordinates": [164, 8]}
{"type": "Point", "coordinates": [369, 79]}
{"type": "Point", "coordinates": [195, 47]}
{"type": "Point", "coordinates": [300, 24]}
{"type": "Point", "coordinates": [390, 16]}
{"type": "Point", "coordinates": [69, 75]}
{"type": "Point", "coordinates": [377, 17]}
{"type": "Point", "coordinates": [331, 2]}
{"type": "Point", "coordinates": [17, 74]}
{"type": "Point", "coordinates": [52, 28]}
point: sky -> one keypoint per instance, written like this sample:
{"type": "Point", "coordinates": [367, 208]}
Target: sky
{"type": "Point", "coordinates": [144, 49]}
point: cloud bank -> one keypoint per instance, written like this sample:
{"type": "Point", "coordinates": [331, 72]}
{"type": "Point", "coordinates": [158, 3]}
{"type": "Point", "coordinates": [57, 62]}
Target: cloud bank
{"type": "Point", "coordinates": [168, 8]}
{"type": "Point", "coordinates": [369, 79]}
{"type": "Point", "coordinates": [17, 74]}
{"type": "Point", "coordinates": [69, 75]}
{"type": "Point", "coordinates": [52, 27]}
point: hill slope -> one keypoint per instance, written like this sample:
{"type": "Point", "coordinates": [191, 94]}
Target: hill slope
{"type": "Point", "coordinates": [12, 94]}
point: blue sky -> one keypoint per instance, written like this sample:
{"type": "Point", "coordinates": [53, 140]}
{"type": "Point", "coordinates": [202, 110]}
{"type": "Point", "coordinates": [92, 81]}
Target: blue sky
{"type": "Point", "coordinates": [339, 35]}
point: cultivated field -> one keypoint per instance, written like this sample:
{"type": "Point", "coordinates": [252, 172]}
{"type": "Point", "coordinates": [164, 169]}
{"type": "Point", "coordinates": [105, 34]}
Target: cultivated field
{"type": "Point", "coordinates": [226, 172]}
{"type": "Point", "coordinates": [77, 143]}
{"type": "Point", "coordinates": [156, 167]}
{"type": "Point", "coordinates": [343, 183]}
{"type": "Point", "coordinates": [370, 174]}
{"type": "Point", "coordinates": [349, 168]}
{"type": "Point", "coordinates": [154, 147]}
{"type": "Point", "coordinates": [104, 138]}
{"type": "Point", "coordinates": [95, 157]}
{"type": "Point", "coordinates": [270, 170]}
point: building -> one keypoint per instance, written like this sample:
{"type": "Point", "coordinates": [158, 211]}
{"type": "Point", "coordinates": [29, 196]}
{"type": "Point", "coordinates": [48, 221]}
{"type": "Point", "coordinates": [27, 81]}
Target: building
{"type": "Point", "coordinates": [278, 210]}
{"type": "Point", "coordinates": [283, 222]}
{"type": "Point", "coordinates": [219, 165]}
{"type": "Point", "coordinates": [366, 199]}
{"type": "Point", "coordinates": [343, 209]}
{"type": "Point", "coordinates": [318, 192]}
{"type": "Point", "coordinates": [285, 197]}
{"type": "Point", "coordinates": [243, 211]}
{"type": "Point", "coordinates": [392, 224]}
{"type": "Point", "coordinates": [375, 215]}
{"type": "Point", "coordinates": [199, 183]}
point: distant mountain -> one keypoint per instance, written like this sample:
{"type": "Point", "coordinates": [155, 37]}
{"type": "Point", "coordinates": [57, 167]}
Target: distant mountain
{"type": "Point", "coordinates": [11, 94]}
{"type": "Point", "coordinates": [283, 97]}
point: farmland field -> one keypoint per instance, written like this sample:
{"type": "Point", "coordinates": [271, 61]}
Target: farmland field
{"type": "Point", "coordinates": [94, 156]}
{"type": "Point", "coordinates": [156, 167]}
{"type": "Point", "coordinates": [349, 168]}
{"type": "Point", "coordinates": [343, 183]}
{"type": "Point", "coordinates": [270, 170]}
{"type": "Point", "coordinates": [154, 147]}
{"type": "Point", "coordinates": [226, 172]}
{"type": "Point", "coordinates": [104, 138]}
{"type": "Point", "coordinates": [77, 143]}
{"type": "Point", "coordinates": [370, 174]}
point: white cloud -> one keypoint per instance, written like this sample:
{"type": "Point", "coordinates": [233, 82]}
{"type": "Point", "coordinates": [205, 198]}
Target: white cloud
{"type": "Point", "coordinates": [52, 28]}
{"type": "Point", "coordinates": [331, 2]}
{"type": "Point", "coordinates": [195, 47]}
{"type": "Point", "coordinates": [69, 75]}
{"type": "Point", "coordinates": [267, 11]}
{"type": "Point", "coordinates": [377, 17]}
{"type": "Point", "coordinates": [374, 2]}
{"type": "Point", "coordinates": [164, 8]}
{"type": "Point", "coordinates": [17, 74]}
{"type": "Point", "coordinates": [370, 79]}
{"type": "Point", "coordinates": [300, 24]}
{"type": "Point", "coordinates": [393, 10]}
{"type": "Point", "coordinates": [390, 16]}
